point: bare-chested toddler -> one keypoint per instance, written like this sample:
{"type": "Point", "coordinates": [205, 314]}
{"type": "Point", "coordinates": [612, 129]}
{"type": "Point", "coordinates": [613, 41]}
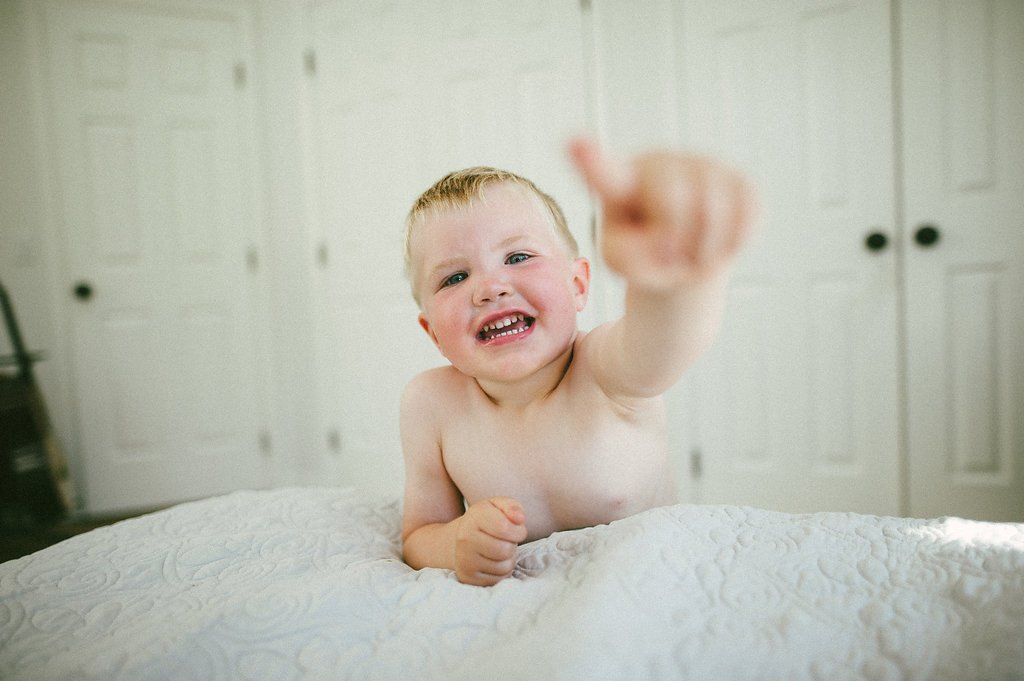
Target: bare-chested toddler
{"type": "Point", "coordinates": [537, 426]}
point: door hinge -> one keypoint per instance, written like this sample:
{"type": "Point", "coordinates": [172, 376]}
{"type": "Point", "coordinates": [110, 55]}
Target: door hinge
{"type": "Point", "coordinates": [585, 5]}
{"type": "Point", "coordinates": [241, 74]}
{"type": "Point", "coordinates": [309, 61]}
{"type": "Point", "coordinates": [321, 255]}
{"type": "Point", "coordinates": [696, 464]}
{"type": "Point", "coordinates": [334, 441]}
{"type": "Point", "coordinates": [265, 443]}
{"type": "Point", "coordinates": [252, 259]}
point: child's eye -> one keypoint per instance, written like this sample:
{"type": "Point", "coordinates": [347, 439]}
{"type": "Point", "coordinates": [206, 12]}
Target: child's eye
{"type": "Point", "coordinates": [454, 279]}
{"type": "Point", "coordinates": [517, 258]}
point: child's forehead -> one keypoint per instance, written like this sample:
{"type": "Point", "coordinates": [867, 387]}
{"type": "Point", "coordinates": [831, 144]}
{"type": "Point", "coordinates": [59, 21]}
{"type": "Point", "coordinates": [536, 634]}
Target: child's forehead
{"type": "Point", "coordinates": [498, 205]}
{"type": "Point", "coordinates": [499, 196]}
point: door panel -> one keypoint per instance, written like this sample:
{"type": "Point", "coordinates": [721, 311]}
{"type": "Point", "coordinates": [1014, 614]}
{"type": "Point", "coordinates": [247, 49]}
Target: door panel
{"type": "Point", "coordinates": [797, 399]}
{"type": "Point", "coordinates": [149, 135]}
{"type": "Point", "coordinates": [963, 150]}
{"type": "Point", "coordinates": [403, 93]}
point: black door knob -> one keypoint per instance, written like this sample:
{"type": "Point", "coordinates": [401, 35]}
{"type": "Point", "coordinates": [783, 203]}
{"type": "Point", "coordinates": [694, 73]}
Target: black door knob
{"type": "Point", "coordinates": [926, 235]}
{"type": "Point", "coordinates": [83, 290]}
{"type": "Point", "coordinates": [876, 241]}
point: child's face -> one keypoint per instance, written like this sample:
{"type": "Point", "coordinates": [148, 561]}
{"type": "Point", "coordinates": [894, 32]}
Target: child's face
{"type": "Point", "coordinates": [498, 290]}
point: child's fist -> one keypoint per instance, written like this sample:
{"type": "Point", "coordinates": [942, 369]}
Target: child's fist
{"type": "Point", "coordinates": [486, 541]}
{"type": "Point", "coordinates": [669, 219]}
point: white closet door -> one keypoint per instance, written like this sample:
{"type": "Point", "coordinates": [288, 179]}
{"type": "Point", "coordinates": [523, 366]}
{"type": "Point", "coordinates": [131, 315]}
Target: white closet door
{"type": "Point", "coordinates": [963, 149]}
{"type": "Point", "coordinates": [149, 136]}
{"type": "Point", "coordinates": [404, 92]}
{"type": "Point", "coordinates": [798, 400]}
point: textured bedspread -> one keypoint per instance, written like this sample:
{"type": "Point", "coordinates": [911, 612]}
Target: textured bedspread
{"type": "Point", "coordinates": [309, 584]}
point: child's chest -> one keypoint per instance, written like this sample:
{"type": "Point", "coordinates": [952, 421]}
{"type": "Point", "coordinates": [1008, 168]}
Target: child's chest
{"type": "Point", "coordinates": [576, 468]}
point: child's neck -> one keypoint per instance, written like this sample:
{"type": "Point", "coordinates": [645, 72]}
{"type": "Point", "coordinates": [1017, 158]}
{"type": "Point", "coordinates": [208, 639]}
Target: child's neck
{"type": "Point", "coordinates": [522, 394]}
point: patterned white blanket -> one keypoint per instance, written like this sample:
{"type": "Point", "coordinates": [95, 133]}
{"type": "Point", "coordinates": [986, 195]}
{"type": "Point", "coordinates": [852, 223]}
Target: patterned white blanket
{"type": "Point", "coordinates": [309, 584]}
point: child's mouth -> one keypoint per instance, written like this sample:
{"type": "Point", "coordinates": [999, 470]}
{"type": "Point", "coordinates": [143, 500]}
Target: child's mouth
{"type": "Point", "coordinates": [511, 325]}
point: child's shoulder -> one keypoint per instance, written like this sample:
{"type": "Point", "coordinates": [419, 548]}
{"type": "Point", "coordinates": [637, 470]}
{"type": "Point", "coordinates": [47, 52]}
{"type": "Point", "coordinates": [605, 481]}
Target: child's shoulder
{"type": "Point", "coordinates": [586, 345]}
{"type": "Point", "coordinates": [439, 386]}
{"type": "Point", "coordinates": [439, 375]}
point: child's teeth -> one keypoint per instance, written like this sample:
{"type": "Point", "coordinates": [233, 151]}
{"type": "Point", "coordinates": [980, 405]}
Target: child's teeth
{"type": "Point", "coordinates": [502, 323]}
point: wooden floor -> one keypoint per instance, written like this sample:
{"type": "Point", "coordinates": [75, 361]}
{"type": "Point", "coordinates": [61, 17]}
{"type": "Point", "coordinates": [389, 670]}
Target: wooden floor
{"type": "Point", "coordinates": [19, 541]}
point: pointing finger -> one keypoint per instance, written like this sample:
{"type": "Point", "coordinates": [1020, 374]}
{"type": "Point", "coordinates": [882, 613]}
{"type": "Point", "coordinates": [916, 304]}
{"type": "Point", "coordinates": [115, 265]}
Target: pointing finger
{"type": "Point", "coordinates": [612, 179]}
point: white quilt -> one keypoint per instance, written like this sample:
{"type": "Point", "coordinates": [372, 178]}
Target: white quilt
{"type": "Point", "coordinates": [309, 584]}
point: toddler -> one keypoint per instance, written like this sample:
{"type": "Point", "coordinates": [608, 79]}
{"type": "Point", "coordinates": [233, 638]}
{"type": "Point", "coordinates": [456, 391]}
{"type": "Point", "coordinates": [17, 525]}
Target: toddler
{"type": "Point", "coordinates": [536, 426]}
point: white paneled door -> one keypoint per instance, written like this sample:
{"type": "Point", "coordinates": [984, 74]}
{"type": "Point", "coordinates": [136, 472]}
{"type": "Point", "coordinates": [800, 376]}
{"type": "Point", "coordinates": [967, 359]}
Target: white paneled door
{"type": "Point", "coordinates": [883, 173]}
{"type": "Point", "coordinates": [797, 401]}
{"type": "Point", "coordinates": [963, 151]}
{"type": "Point", "coordinates": [402, 92]}
{"type": "Point", "coordinates": [150, 138]}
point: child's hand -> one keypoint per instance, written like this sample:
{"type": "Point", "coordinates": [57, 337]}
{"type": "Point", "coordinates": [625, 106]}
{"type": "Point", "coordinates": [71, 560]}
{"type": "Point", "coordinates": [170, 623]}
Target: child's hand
{"type": "Point", "coordinates": [669, 219]}
{"type": "Point", "coordinates": [486, 541]}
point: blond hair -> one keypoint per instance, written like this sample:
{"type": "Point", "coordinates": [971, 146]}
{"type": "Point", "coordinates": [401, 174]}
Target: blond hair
{"type": "Point", "coordinates": [460, 188]}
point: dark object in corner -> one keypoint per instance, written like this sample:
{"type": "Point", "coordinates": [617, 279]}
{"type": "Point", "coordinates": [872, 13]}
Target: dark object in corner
{"type": "Point", "coordinates": [34, 485]}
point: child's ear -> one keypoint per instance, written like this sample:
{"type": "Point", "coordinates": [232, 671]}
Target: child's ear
{"type": "Point", "coordinates": [581, 282]}
{"type": "Point", "coordinates": [425, 323]}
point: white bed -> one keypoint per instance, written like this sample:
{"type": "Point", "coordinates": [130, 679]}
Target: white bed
{"type": "Point", "coordinates": [309, 584]}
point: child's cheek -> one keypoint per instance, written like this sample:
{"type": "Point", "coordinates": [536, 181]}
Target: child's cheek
{"type": "Point", "coordinates": [453, 334]}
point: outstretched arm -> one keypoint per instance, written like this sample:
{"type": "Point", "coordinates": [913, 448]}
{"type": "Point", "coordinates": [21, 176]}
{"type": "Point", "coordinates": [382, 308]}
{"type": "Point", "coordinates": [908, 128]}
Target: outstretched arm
{"type": "Point", "coordinates": [672, 226]}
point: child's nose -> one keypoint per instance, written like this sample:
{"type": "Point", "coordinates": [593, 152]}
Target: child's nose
{"type": "Point", "coordinates": [490, 288]}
